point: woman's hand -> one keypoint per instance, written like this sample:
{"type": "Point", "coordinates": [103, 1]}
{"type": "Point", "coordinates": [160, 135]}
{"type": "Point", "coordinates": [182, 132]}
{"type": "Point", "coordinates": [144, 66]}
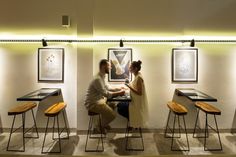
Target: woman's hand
{"type": "Point", "coordinates": [124, 88]}
{"type": "Point", "coordinates": [128, 85]}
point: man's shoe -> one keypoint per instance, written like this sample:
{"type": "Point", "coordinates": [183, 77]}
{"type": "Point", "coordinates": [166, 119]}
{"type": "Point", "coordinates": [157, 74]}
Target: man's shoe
{"type": "Point", "coordinates": [130, 128]}
{"type": "Point", "coordinates": [112, 105]}
{"type": "Point", "coordinates": [99, 131]}
{"type": "Point", "coordinates": [108, 127]}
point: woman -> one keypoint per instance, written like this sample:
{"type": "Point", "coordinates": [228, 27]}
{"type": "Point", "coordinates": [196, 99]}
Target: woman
{"type": "Point", "coordinates": [136, 111]}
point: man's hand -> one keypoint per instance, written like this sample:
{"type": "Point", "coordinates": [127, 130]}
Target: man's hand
{"type": "Point", "coordinates": [122, 92]}
{"type": "Point", "coordinates": [118, 93]}
{"type": "Point", "coordinates": [123, 88]}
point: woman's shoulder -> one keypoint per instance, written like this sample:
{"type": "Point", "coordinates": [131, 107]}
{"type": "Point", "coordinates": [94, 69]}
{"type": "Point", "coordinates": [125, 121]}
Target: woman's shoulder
{"type": "Point", "coordinates": [140, 76]}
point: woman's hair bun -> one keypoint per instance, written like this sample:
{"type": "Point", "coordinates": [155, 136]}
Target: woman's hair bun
{"type": "Point", "coordinates": [139, 62]}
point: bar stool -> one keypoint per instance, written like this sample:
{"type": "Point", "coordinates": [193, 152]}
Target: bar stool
{"type": "Point", "coordinates": [178, 110]}
{"type": "Point", "coordinates": [127, 138]}
{"type": "Point", "coordinates": [21, 110]}
{"type": "Point", "coordinates": [211, 110]}
{"type": "Point", "coordinates": [53, 112]}
{"type": "Point", "coordinates": [90, 132]}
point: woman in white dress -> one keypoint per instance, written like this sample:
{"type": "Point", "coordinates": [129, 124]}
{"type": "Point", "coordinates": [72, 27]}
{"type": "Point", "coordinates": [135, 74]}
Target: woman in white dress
{"type": "Point", "coordinates": [138, 108]}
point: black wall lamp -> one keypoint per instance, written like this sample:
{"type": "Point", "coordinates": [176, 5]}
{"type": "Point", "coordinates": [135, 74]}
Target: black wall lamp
{"type": "Point", "coordinates": [121, 43]}
{"type": "Point", "coordinates": [44, 43]}
{"type": "Point", "coordinates": [192, 43]}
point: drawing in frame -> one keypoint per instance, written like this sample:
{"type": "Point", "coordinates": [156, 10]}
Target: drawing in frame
{"type": "Point", "coordinates": [51, 64]}
{"type": "Point", "coordinates": [184, 65]}
{"type": "Point", "coordinates": [120, 59]}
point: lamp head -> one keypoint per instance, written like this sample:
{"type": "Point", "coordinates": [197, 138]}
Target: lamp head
{"type": "Point", "coordinates": [44, 43]}
{"type": "Point", "coordinates": [192, 43]}
{"type": "Point", "coordinates": [121, 43]}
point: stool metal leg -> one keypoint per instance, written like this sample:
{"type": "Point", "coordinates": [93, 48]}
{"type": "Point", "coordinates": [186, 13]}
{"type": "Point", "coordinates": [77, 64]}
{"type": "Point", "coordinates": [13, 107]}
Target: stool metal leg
{"type": "Point", "coordinates": [186, 133]}
{"type": "Point", "coordinates": [195, 126]}
{"type": "Point", "coordinates": [206, 130]}
{"type": "Point", "coordinates": [141, 134]}
{"type": "Point", "coordinates": [126, 135]}
{"type": "Point", "coordinates": [179, 136]}
{"type": "Point", "coordinates": [179, 127]}
{"type": "Point", "coordinates": [167, 124]}
{"type": "Point", "coordinates": [45, 136]}
{"type": "Point", "coordinates": [89, 133]}
{"type": "Point", "coordinates": [58, 130]}
{"type": "Point", "coordinates": [23, 135]}
{"type": "Point", "coordinates": [173, 134]}
{"type": "Point", "coordinates": [100, 124]}
{"type": "Point", "coordinates": [127, 139]}
{"type": "Point", "coordinates": [218, 134]}
{"type": "Point", "coordinates": [91, 127]}
{"type": "Point", "coordinates": [53, 127]}
{"type": "Point", "coordinates": [23, 132]}
{"type": "Point", "coordinates": [8, 143]}
{"type": "Point", "coordinates": [35, 126]}
{"type": "Point", "coordinates": [167, 127]}
{"type": "Point", "coordinates": [67, 129]}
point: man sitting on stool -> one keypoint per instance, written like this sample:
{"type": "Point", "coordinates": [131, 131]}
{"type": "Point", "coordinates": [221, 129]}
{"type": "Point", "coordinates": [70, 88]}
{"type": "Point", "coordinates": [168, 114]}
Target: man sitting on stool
{"type": "Point", "coordinates": [97, 94]}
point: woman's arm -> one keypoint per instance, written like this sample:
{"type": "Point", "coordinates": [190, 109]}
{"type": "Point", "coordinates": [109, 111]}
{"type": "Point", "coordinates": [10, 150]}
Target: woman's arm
{"type": "Point", "coordinates": [138, 89]}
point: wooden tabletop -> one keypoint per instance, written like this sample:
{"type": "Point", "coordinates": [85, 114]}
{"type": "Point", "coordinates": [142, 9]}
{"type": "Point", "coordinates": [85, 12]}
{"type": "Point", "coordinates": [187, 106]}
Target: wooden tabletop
{"type": "Point", "coordinates": [194, 95]}
{"type": "Point", "coordinates": [40, 94]}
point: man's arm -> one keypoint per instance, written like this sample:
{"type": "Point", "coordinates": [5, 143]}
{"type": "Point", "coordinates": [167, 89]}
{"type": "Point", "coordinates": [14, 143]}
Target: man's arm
{"type": "Point", "coordinates": [117, 91]}
{"type": "Point", "coordinates": [99, 85]}
{"type": "Point", "coordinates": [112, 89]}
{"type": "Point", "coordinates": [101, 88]}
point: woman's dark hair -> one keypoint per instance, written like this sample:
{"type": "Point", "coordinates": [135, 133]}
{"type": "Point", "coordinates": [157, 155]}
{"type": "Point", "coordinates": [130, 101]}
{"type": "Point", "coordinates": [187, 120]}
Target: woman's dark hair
{"type": "Point", "coordinates": [136, 64]}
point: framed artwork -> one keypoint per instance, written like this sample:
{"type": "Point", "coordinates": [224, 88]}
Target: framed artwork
{"type": "Point", "coordinates": [184, 65]}
{"type": "Point", "coordinates": [51, 64]}
{"type": "Point", "coordinates": [120, 59]}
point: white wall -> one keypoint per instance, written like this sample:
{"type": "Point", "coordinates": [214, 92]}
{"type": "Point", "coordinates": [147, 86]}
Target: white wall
{"type": "Point", "coordinates": [123, 19]}
{"type": "Point", "coordinates": [19, 77]}
{"type": "Point", "coordinates": [36, 19]}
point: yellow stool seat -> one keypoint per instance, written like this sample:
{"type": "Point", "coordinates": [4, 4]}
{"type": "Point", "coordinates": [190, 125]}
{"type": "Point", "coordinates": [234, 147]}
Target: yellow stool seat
{"type": "Point", "coordinates": [19, 109]}
{"type": "Point", "coordinates": [55, 109]}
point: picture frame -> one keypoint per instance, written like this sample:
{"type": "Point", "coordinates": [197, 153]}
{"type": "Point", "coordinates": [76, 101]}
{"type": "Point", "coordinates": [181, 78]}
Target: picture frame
{"type": "Point", "coordinates": [51, 64]}
{"type": "Point", "coordinates": [120, 59]}
{"type": "Point", "coordinates": [184, 65]}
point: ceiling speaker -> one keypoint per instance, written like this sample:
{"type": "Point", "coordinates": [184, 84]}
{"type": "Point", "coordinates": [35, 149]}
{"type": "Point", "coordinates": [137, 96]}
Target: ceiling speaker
{"type": "Point", "coordinates": [65, 21]}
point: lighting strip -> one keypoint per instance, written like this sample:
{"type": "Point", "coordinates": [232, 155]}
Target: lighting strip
{"type": "Point", "coordinates": [110, 41]}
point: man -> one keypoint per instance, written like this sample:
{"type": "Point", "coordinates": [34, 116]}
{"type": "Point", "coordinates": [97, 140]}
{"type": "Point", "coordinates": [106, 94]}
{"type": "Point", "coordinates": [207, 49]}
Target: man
{"type": "Point", "coordinates": [98, 92]}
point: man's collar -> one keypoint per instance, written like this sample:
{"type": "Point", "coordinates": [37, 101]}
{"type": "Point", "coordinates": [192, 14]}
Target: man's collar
{"type": "Point", "coordinates": [102, 75]}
